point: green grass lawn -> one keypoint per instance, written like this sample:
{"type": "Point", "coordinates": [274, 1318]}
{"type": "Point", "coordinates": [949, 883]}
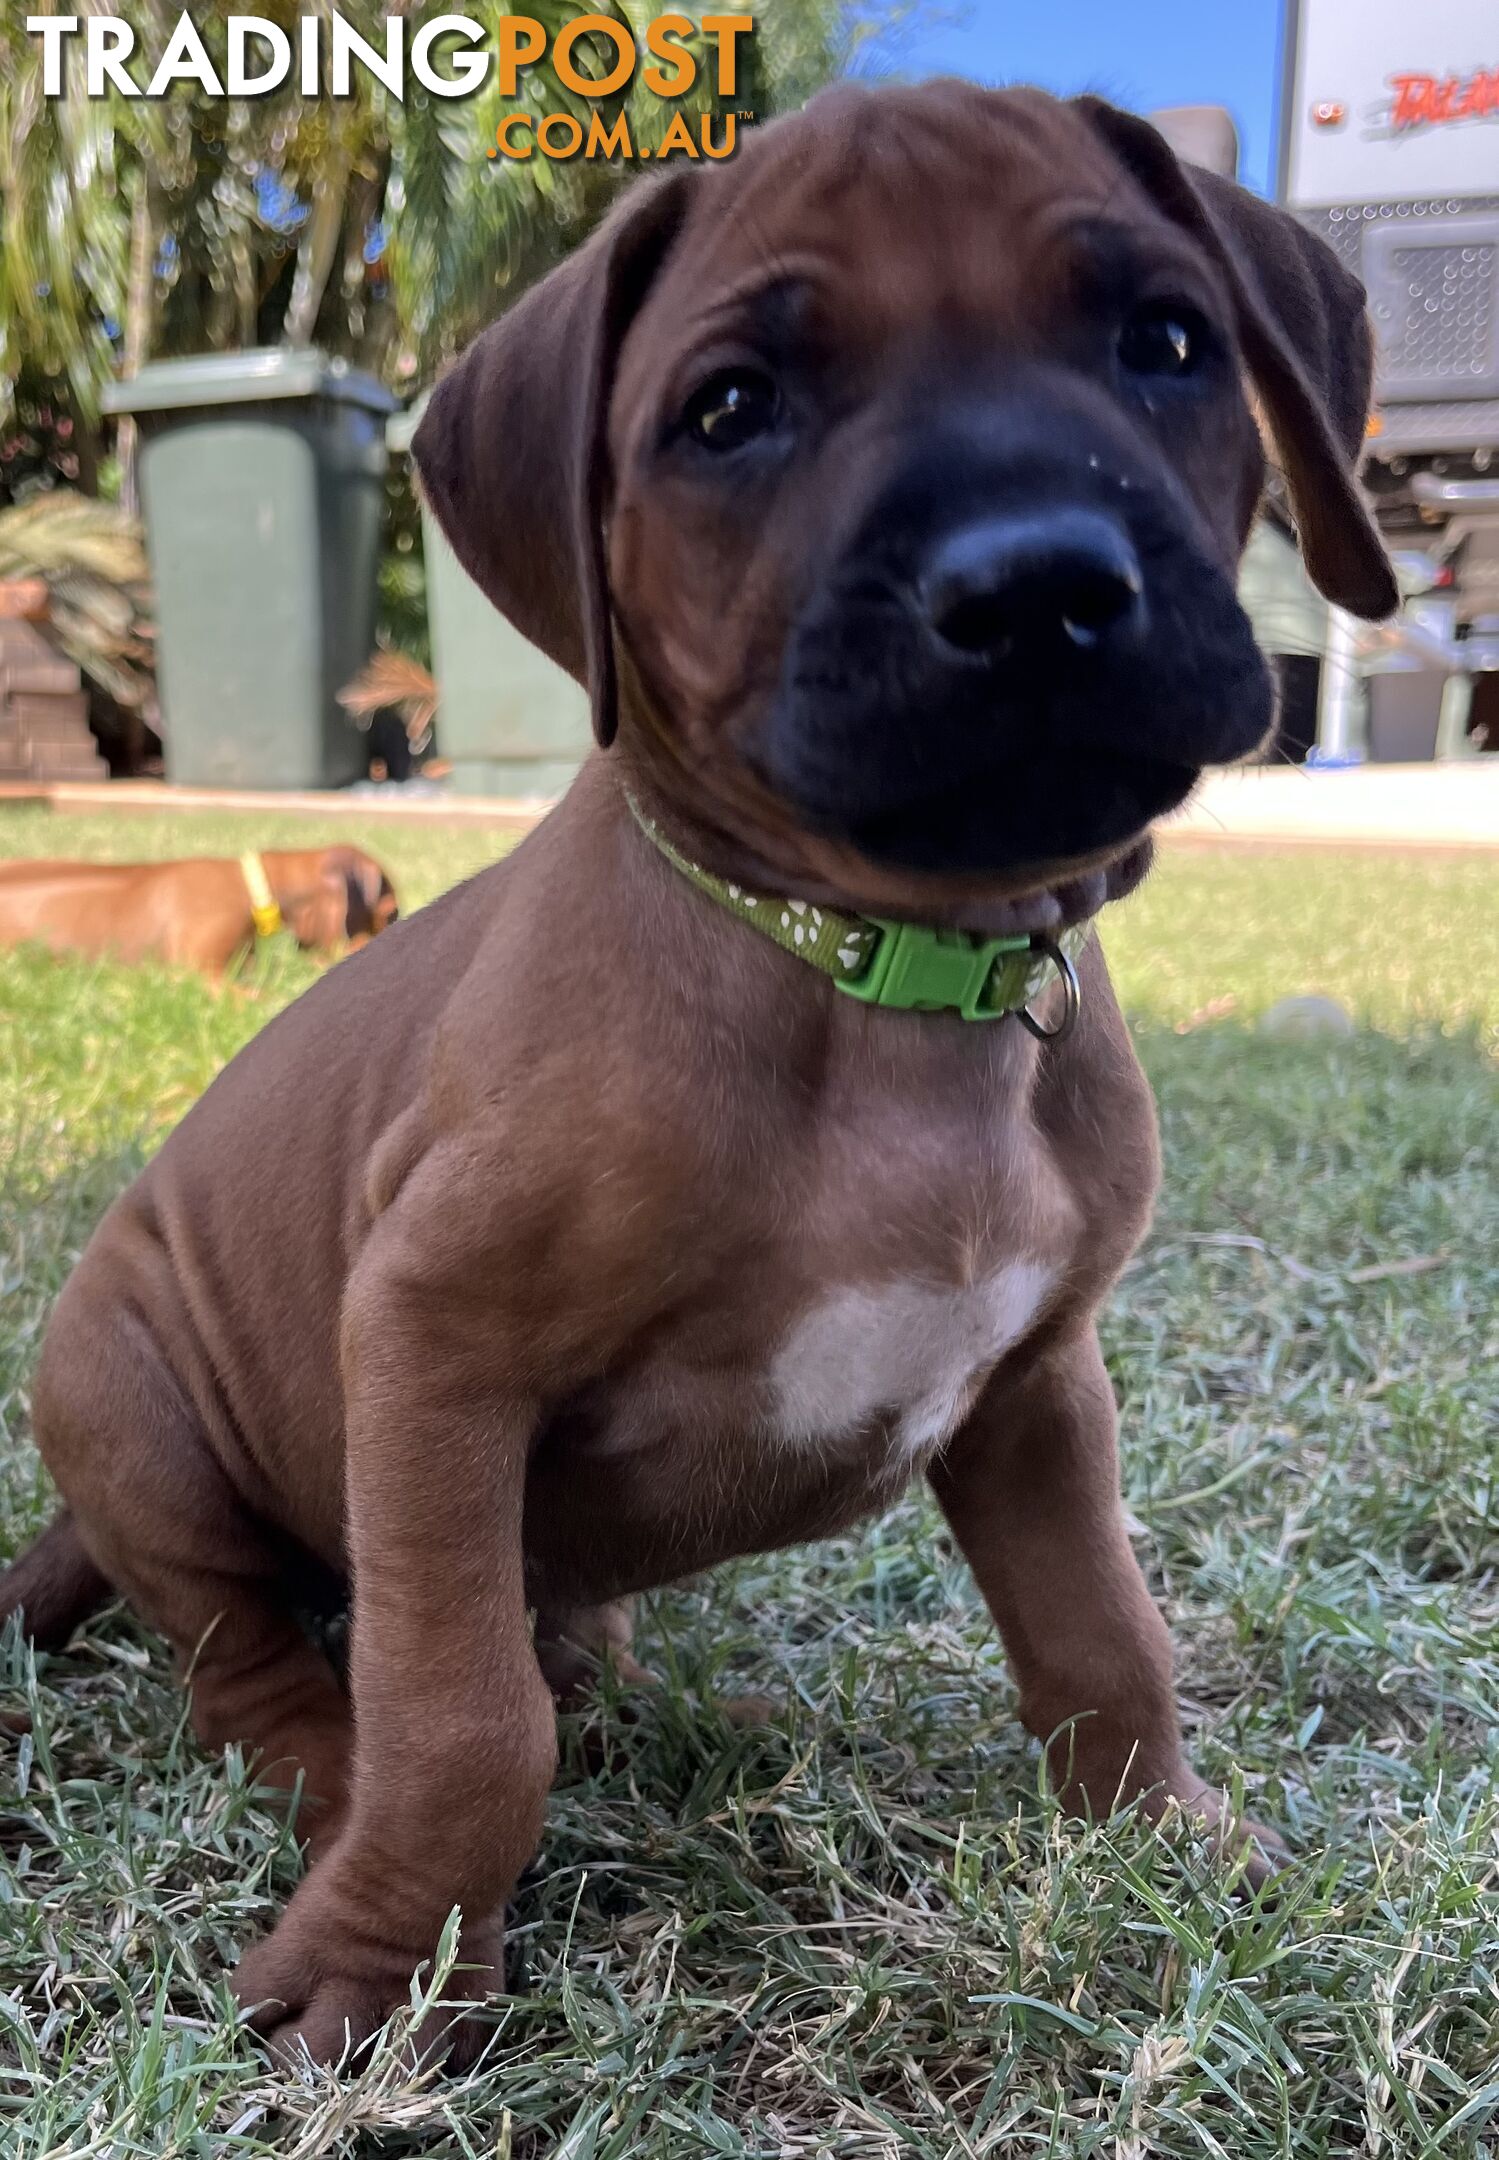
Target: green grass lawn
{"type": "Point", "coordinates": [861, 1929]}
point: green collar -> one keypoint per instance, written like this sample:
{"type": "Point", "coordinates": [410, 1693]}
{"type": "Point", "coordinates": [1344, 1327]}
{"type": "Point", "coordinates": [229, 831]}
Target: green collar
{"type": "Point", "coordinates": [903, 966]}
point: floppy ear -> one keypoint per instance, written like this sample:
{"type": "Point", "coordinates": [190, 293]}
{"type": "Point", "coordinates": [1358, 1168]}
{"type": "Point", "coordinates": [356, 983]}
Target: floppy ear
{"type": "Point", "coordinates": [1305, 334]}
{"type": "Point", "coordinates": [513, 452]}
{"type": "Point", "coordinates": [363, 884]}
{"type": "Point", "coordinates": [317, 916]}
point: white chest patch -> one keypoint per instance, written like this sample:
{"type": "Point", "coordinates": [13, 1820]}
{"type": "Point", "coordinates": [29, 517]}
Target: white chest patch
{"type": "Point", "coordinates": [910, 1350]}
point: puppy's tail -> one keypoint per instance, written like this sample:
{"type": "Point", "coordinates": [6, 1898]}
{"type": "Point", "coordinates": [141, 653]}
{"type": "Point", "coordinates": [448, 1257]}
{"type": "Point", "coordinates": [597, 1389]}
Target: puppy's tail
{"type": "Point", "coordinates": [55, 1584]}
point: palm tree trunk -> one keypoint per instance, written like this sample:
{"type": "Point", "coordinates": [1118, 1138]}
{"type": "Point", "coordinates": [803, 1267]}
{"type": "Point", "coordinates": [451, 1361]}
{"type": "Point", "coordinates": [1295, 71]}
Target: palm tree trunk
{"type": "Point", "coordinates": [318, 252]}
{"type": "Point", "coordinates": [139, 299]}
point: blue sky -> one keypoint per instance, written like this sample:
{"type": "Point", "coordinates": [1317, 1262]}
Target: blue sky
{"type": "Point", "coordinates": [1139, 52]}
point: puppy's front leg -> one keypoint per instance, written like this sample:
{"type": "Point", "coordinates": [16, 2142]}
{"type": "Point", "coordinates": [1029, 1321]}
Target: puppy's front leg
{"type": "Point", "coordinates": [455, 1726]}
{"type": "Point", "coordinates": [1030, 1485]}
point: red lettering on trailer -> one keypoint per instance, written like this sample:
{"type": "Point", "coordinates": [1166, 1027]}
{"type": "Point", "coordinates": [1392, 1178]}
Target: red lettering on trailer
{"type": "Point", "coordinates": [1433, 101]}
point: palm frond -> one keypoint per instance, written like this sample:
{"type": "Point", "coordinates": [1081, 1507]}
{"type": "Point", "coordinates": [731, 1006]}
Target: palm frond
{"type": "Point", "coordinates": [58, 531]}
{"type": "Point", "coordinates": [90, 558]}
{"type": "Point", "coordinates": [392, 681]}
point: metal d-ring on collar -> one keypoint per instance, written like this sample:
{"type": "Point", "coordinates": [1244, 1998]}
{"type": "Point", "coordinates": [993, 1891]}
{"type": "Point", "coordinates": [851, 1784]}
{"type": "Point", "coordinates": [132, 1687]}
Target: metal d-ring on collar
{"type": "Point", "coordinates": [1072, 996]}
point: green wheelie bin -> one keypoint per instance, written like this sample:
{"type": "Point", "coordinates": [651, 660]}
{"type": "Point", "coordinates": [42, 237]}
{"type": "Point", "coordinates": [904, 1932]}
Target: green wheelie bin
{"type": "Point", "coordinates": [262, 481]}
{"type": "Point", "coordinates": [509, 719]}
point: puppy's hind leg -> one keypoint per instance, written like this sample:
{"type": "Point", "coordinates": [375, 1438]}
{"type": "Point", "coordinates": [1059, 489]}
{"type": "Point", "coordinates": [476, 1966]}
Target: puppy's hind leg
{"type": "Point", "coordinates": [156, 1516]}
{"type": "Point", "coordinates": [53, 1584]}
{"type": "Point", "coordinates": [574, 1643]}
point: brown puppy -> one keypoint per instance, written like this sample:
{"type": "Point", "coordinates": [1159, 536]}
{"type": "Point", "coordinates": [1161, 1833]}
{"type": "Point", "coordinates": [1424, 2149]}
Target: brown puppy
{"type": "Point", "coordinates": [887, 486]}
{"type": "Point", "coordinates": [196, 913]}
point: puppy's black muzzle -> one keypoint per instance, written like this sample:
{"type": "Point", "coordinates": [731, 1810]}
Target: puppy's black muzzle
{"type": "Point", "coordinates": [1034, 586]}
{"type": "Point", "coordinates": [1023, 655]}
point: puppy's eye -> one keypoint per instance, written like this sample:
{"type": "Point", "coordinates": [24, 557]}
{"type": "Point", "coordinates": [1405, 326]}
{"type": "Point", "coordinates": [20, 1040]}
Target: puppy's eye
{"type": "Point", "coordinates": [732, 408]}
{"type": "Point", "coordinates": [1163, 338]}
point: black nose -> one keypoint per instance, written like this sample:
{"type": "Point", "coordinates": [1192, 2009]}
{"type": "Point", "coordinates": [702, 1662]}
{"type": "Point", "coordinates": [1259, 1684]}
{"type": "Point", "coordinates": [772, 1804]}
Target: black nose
{"type": "Point", "coordinates": [1042, 579]}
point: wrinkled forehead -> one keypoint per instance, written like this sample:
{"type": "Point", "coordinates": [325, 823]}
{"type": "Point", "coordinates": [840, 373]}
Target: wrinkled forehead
{"type": "Point", "coordinates": [874, 218]}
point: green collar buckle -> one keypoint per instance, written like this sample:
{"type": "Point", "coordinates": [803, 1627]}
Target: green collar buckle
{"type": "Point", "coordinates": [914, 969]}
{"type": "Point", "coordinates": [906, 967]}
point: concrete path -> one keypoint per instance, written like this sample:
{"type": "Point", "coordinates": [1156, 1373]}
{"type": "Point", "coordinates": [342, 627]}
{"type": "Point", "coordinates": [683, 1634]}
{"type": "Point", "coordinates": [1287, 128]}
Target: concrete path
{"type": "Point", "coordinates": [392, 803]}
{"type": "Point", "coordinates": [1453, 805]}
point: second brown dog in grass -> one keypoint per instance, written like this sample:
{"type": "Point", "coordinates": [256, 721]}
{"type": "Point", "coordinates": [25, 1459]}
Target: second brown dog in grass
{"type": "Point", "coordinates": [887, 486]}
{"type": "Point", "coordinates": [200, 912]}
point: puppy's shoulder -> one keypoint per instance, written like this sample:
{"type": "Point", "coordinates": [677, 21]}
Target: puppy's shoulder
{"type": "Point", "coordinates": [1096, 1108]}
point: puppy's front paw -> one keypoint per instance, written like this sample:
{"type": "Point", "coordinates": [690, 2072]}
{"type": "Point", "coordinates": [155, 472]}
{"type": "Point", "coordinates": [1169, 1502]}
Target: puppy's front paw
{"type": "Point", "coordinates": [317, 1988]}
{"type": "Point", "coordinates": [1235, 1839]}
{"type": "Point", "coordinates": [298, 2008]}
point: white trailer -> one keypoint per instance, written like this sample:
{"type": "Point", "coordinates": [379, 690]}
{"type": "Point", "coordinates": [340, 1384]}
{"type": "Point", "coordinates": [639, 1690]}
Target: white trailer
{"type": "Point", "coordinates": [1389, 149]}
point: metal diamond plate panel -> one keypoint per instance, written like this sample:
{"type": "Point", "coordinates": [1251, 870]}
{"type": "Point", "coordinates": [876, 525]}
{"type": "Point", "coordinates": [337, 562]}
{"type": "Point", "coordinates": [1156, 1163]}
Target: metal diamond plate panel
{"type": "Point", "coordinates": [1432, 270]}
